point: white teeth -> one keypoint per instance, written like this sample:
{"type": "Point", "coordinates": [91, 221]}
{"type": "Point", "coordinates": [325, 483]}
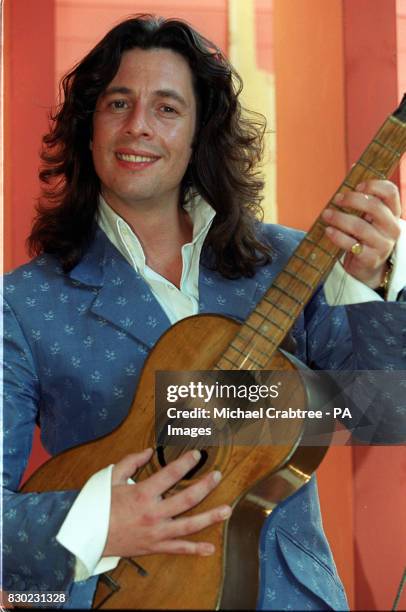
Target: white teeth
{"type": "Point", "coordinates": [134, 158]}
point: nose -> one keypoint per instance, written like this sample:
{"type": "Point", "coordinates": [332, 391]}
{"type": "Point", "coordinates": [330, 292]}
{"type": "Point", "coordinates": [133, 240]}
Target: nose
{"type": "Point", "coordinates": [138, 123]}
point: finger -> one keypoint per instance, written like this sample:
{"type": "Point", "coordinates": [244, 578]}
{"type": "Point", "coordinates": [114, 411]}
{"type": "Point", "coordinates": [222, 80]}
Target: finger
{"type": "Point", "coordinates": [124, 469]}
{"type": "Point", "coordinates": [171, 474]}
{"type": "Point", "coordinates": [373, 209]}
{"type": "Point", "coordinates": [385, 191]}
{"type": "Point", "coordinates": [369, 256]}
{"type": "Point", "coordinates": [354, 228]}
{"type": "Point", "coordinates": [184, 547]}
{"type": "Point", "coordinates": [190, 497]}
{"type": "Point", "coordinates": [192, 524]}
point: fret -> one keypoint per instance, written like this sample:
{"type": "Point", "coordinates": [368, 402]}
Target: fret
{"type": "Point", "coordinates": [307, 248]}
{"type": "Point", "coordinates": [248, 340]}
{"type": "Point", "coordinates": [262, 330]}
{"type": "Point", "coordinates": [273, 322]}
{"type": "Point", "coordinates": [318, 246]}
{"type": "Point", "coordinates": [248, 357]}
{"type": "Point", "coordinates": [371, 169]}
{"type": "Point", "coordinates": [347, 184]}
{"type": "Point", "coordinates": [317, 231]}
{"type": "Point", "coordinates": [292, 297]}
{"type": "Point", "coordinates": [232, 345]}
{"type": "Point", "coordinates": [395, 120]}
{"type": "Point", "coordinates": [308, 263]}
{"type": "Point", "coordinates": [251, 360]}
{"type": "Point", "coordinates": [278, 307]}
{"type": "Point", "coordinates": [330, 205]}
{"type": "Point", "coordinates": [349, 211]}
{"type": "Point", "coordinates": [292, 275]}
{"type": "Point", "coordinates": [375, 156]}
{"type": "Point", "coordinates": [267, 319]}
{"type": "Point", "coordinates": [235, 365]}
{"type": "Point", "coordinates": [387, 147]}
{"type": "Point", "coordinates": [261, 366]}
{"type": "Point", "coordinates": [237, 350]}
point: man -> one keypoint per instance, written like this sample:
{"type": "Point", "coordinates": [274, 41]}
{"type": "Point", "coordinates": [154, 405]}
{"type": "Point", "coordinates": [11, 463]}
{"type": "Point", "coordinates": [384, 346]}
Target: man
{"type": "Point", "coordinates": [150, 170]}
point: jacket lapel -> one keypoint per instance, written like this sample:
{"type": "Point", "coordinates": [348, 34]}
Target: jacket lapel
{"type": "Point", "coordinates": [121, 296]}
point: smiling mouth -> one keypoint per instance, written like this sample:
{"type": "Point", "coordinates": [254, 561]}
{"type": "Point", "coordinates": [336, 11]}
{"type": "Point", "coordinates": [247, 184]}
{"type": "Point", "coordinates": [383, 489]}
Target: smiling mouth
{"type": "Point", "coordinates": [135, 159]}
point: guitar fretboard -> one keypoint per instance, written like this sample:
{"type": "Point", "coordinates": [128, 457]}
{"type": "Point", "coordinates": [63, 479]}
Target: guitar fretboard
{"type": "Point", "coordinates": [266, 327]}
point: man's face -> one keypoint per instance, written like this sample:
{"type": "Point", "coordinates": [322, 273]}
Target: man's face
{"type": "Point", "coordinates": [143, 130]}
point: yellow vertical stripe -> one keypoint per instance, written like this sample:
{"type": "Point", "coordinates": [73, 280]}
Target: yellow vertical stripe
{"type": "Point", "coordinates": [259, 88]}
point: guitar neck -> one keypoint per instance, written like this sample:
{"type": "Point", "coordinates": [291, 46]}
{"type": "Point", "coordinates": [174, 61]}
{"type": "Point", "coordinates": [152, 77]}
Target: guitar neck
{"type": "Point", "coordinates": [266, 327]}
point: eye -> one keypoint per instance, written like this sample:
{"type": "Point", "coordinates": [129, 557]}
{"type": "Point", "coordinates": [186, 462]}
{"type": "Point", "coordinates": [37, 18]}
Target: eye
{"type": "Point", "coordinates": [168, 110]}
{"type": "Point", "coordinates": [118, 105]}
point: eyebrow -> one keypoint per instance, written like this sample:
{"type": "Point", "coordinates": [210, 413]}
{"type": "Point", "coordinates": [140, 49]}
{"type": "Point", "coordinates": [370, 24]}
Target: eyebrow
{"type": "Point", "coordinates": [159, 93]}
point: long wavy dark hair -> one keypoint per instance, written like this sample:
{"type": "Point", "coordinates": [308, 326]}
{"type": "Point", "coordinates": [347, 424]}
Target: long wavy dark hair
{"type": "Point", "coordinates": [224, 163]}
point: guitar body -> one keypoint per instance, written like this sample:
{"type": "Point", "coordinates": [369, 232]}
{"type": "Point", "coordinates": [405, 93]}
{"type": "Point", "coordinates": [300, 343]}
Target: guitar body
{"type": "Point", "coordinates": [255, 479]}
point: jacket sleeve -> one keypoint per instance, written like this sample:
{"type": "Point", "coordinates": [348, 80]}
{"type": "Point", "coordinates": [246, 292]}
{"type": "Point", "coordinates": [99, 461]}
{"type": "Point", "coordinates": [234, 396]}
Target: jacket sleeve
{"type": "Point", "coordinates": [367, 344]}
{"type": "Point", "coordinates": [32, 558]}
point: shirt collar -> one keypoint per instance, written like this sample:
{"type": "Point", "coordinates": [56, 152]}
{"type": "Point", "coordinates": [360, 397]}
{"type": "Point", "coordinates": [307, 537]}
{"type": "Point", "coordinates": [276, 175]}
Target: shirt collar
{"type": "Point", "coordinates": [115, 227]}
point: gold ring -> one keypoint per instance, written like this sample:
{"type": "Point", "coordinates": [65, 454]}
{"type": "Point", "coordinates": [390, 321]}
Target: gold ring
{"type": "Point", "coordinates": [357, 248]}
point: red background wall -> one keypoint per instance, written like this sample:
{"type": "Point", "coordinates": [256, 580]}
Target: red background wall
{"type": "Point", "coordinates": [379, 472]}
{"type": "Point", "coordinates": [330, 99]}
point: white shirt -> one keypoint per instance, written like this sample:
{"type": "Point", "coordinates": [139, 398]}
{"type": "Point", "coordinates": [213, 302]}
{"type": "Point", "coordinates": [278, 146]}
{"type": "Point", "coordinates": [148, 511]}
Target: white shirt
{"type": "Point", "coordinates": [84, 531]}
{"type": "Point", "coordinates": [177, 303]}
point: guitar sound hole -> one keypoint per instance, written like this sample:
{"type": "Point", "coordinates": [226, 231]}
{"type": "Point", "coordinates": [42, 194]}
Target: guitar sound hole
{"type": "Point", "coordinates": [162, 461]}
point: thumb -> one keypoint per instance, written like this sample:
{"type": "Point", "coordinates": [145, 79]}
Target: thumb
{"type": "Point", "coordinates": [126, 467]}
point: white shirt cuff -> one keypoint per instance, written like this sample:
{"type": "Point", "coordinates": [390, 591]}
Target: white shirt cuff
{"type": "Point", "coordinates": [343, 289]}
{"type": "Point", "coordinates": [85, 528]}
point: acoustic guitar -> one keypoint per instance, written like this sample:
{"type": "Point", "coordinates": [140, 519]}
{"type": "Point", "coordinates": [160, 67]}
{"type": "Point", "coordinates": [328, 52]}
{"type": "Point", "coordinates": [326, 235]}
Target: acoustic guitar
{"type": "Point", "coordinates": [255, 478]}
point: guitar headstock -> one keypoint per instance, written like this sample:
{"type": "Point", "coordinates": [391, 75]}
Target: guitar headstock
{"type": "Point", "coordinates": [400, 112]}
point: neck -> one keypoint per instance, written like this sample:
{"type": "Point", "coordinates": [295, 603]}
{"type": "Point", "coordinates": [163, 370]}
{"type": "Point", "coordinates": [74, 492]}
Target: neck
{"type": "Point", "coordinates": [162, 229]}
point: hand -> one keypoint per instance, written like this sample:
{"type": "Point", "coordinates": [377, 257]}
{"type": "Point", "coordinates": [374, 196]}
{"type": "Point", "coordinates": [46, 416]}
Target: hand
{"type": "Point", "coordinates": [141, 521]}
{"type": "Point", "coordinates": [377, 230]}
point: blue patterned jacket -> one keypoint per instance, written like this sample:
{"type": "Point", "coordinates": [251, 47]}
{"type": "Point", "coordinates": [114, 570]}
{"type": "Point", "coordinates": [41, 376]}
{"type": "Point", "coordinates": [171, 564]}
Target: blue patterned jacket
{"type": "Point", "coordinates": [74, 347]}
